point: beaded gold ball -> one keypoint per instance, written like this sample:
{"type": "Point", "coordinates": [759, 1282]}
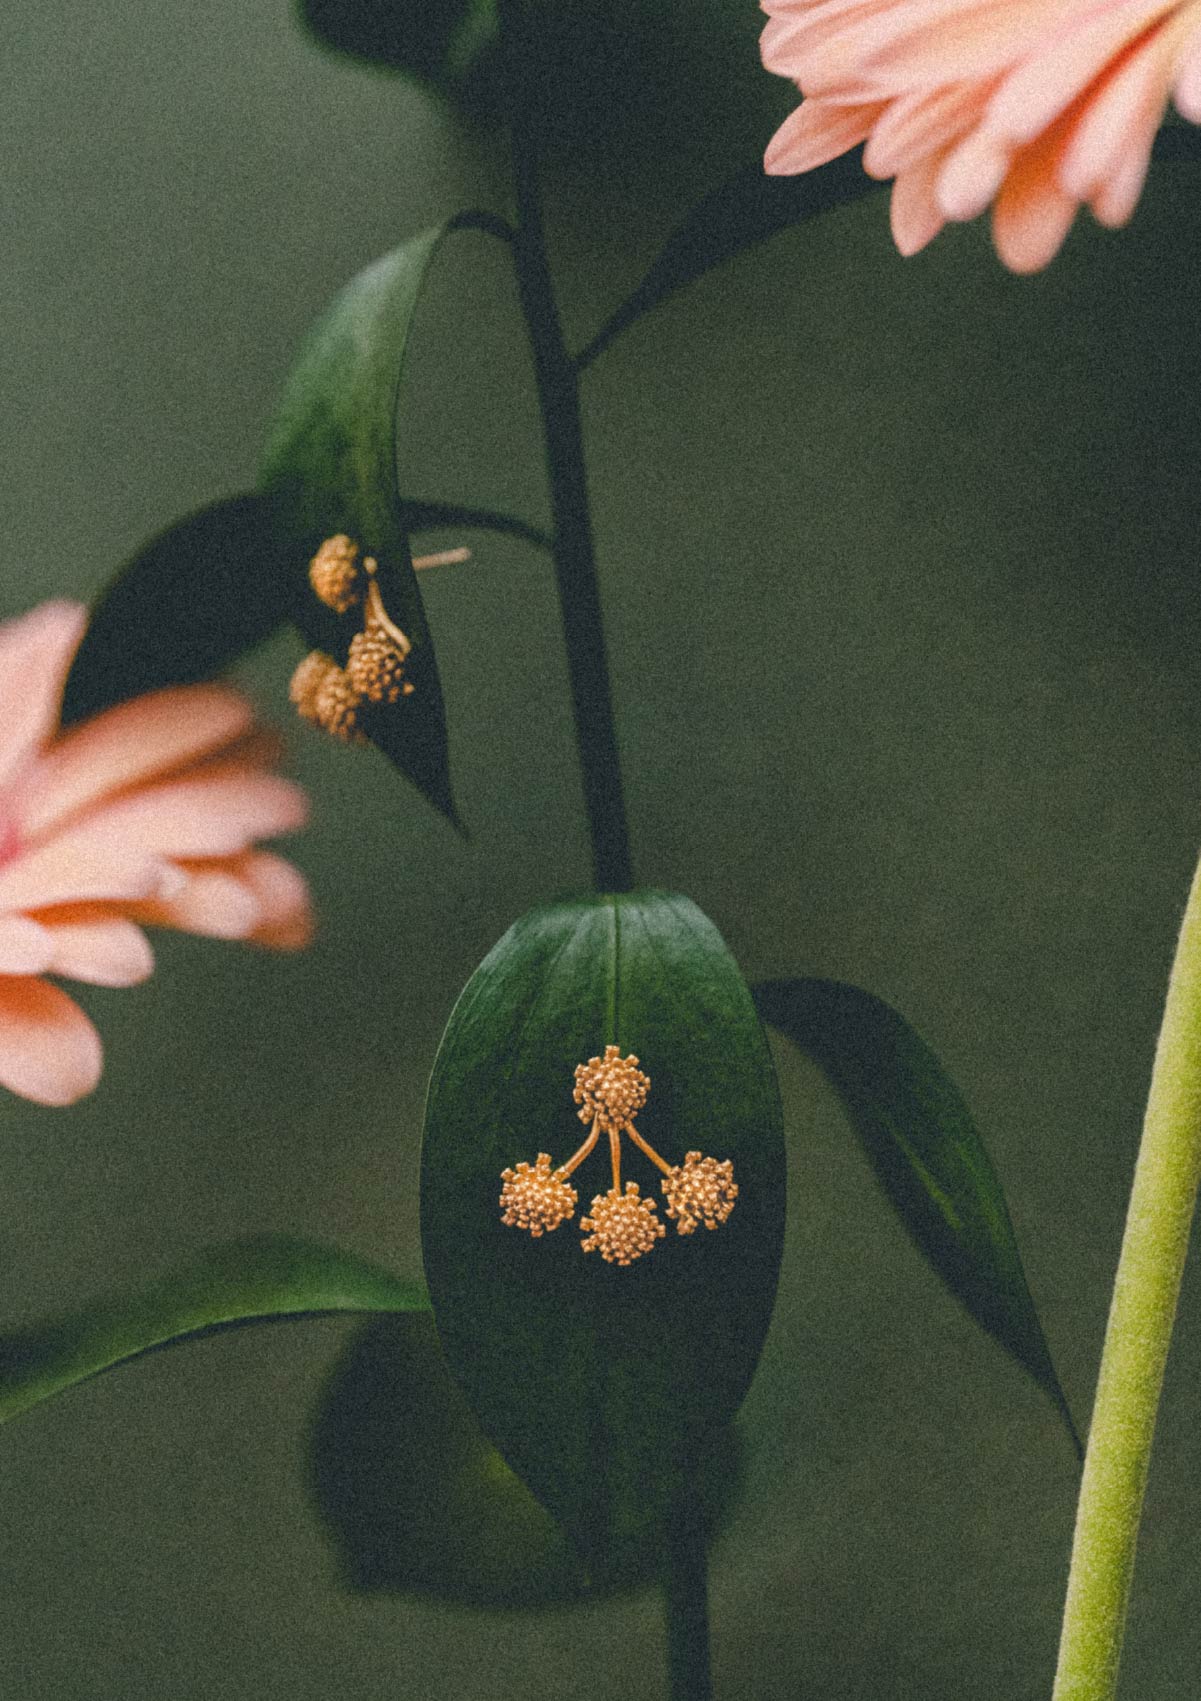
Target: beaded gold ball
{"type": "Point", "coordinates": [376, 669]}
{"type": "Point", "coordinates": [700, 1190]}
{"type": "Point", "coordinates": [334, 573]}
{"type": "Point", "coordinates": [611, 1089]}
{"type": "Point", "coordinates": [622, 1226]}
{"type": "Point", "coordinates": [536, 1198]}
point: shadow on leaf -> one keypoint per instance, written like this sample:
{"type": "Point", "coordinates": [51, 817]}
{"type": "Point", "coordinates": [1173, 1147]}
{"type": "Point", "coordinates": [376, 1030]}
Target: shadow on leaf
{"type": "Point", "coordinates": [416, 1501]}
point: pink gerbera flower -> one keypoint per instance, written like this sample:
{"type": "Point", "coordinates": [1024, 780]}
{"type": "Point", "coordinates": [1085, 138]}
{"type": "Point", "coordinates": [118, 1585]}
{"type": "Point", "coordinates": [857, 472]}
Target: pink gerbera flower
{"type": "Point", "coordinates": [1034, 105]}
{"type": "Point", "coordinates": [146, 814]}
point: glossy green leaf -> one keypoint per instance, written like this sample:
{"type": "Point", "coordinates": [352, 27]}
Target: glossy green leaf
{"type": "Point", "coordinates": [920, 1139]}
{"type": "Point", "coordinates": [599, 1383]}
{"type": "Point", "coordinates": [185, 606]}
{"type": "Point", "coordinates": [416, 1501]}
{"type": "Point", "coordinates": [238, 1283]}
{"type": "Point", "coordinates": [745, 210]}
{"type": "Point", "coordinates": [330, 465]}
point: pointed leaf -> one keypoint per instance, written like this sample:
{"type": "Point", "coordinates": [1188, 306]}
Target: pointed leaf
{"type": "Point", "coordinates": [241, 1282]}
{"type": "Point", "coordinates": [919, 1137]}
{"type": "Point", "coordinates": [416, 1500]}
{"type": "Point", "coordinates": [185, 606]}
{"type": "Point", "coordinates": [330, 464]}
{"type": "Point", "coordinates": [599, 1383]}
{"type": "Point", "coordinates": [745, 210]}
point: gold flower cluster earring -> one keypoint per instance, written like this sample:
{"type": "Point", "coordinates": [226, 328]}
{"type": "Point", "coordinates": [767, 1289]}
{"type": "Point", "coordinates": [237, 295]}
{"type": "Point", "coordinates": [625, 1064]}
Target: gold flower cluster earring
{"type": "Point", "coordinates": [332, 697]}
{"type": "Point", "coordinates": [610, 1091]}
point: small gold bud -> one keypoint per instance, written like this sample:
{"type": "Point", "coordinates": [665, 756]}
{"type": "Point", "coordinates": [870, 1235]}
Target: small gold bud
{"type": "Point", "coordinates": [334, 573]}
{"type": "Point", "coordinates": [623, 1226]}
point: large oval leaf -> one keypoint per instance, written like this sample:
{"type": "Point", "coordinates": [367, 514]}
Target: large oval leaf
{"type": "Point", "coordinates": [416, 1500]}
{"type": "Point", "coordinates": [228, 1286]}
{"type": "Point", "coordinates": [330, 465]}
{"type": "Point", "coordinates": [920, 1139]}
{"type": "Point", "coordinates": [185, 606]}
{"type": "Point", "coordinates": [599, 1383]}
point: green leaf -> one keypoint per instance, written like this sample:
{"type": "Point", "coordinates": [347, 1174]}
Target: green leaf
{"type": "Point", "coordinates": [417, 1502]}
{"type": "Point", "coordinates": [241, 1282]}
{"type": "Point", "coordinates": [440, 41]}
{"type": "Point", "coordinates": [919, 1137]}
{"type": "Point", "coordinates": [186, 605]}
{"type": "Point", "coordinates": [599, 1383]}
{"type": "Point", "coordinates": [743, 211]}
{"type": "Point", "coordinates": [330, 465]}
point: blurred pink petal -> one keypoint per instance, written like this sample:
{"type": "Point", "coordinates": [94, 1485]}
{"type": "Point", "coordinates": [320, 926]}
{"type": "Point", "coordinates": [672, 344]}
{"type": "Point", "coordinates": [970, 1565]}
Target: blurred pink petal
{"type": "Point", "coordinates": [1037, 106]}
{"type": "Point", "coordinates": [49, 1050]}
{"type": "Point", "coordinates": [149, 813]}
{"type": "Point", "coordinates": [211, 901]}
{"type": "Point", "coordinates": [131, 742]}
{"type": "Point", "coordinates": [285, 913]}
{"type": "Point", "coordinates": [25, 946]}
{"type": "Point", "coordinates": [35, 653]}
{"type": "Point", "coordinates": [914, 213]}
{"type": "Point", "coordinates": [107, 951]}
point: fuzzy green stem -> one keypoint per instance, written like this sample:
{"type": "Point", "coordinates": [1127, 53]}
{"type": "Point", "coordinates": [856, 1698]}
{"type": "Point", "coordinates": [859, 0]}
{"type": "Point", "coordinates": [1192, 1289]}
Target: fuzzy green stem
{"type": "Point", "coordinates": [558, 394]}
{"type": "Point", "coordinates": [686, 1602]}
{"type": "Point", "coordinates": [1137, 1337]}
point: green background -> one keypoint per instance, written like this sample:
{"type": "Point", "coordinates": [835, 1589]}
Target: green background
{"type": "Point", "coordinates": [899, 562]}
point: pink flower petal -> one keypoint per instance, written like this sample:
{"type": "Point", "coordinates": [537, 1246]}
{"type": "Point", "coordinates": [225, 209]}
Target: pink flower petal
{"type": "Point", "coordinates": [1110, 147]}
{"type": "Point", "coordinates": [212, 901]}
{"type": "Point", "coordinates": [971, 176]}
{"type": "Point", "coordinates": [49, 1050]}
{"type": "Point", "coordinates": [1047, 83]}
{"type": "Point", "coordinates": [914, 213]}
{"type": "Point", "coordinates": [25, 947]}
{"type": "Point", "coordinates": [106, 951]}
{"type": "Point", "coordinates": [924, 48]}
{"type": "Point", "coordinates": [285, 913]}
{"type": "Point", "coordinates": [126, 744]}
{"type": "Point", "coordinates": [73, 869]}
{"type": "Point", "coordinates": [1187, 90]}
{"type": "Point", "coordinates": [1033, 214]}
{"type": "Point", "coordinates": [816, 132]}
{"type": "Point", "coordinates": [216, 811]}
{"type": "Point", "coordinates": [920, 124]}
{"type": "Point", "coordinates": [35, 653]}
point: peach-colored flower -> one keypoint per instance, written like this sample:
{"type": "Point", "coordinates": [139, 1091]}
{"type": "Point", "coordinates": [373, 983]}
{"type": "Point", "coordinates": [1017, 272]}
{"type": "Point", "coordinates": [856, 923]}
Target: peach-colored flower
{"type": "Point", "coordinates": [146, 814]}
{"type": "Point", "coordinates": [1034, 105]}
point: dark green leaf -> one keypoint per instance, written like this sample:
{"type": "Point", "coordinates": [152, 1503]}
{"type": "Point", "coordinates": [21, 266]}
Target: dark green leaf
{"type": "Point", "coordinates": [245, 1281]}
{"type": "Point", "coordinates": [330, 465]}
{"type": "Point", "coordinates": [186, 605]}
{"type": "Point", "coordinates": [599, 1383]}
{"type": "Point", "coordinates": [920, 1139]}
{"type": "Point", "coordinates": [440, 41]}
{"type": "Point", "coordinates": [416, 1500]}
{"type": "Point", "coordinates": [745, 210]}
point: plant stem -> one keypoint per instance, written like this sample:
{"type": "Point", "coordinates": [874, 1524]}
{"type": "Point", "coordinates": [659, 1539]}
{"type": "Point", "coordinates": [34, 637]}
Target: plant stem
{"type": "Point", "coordinates": [558, 394]}
{"type": "Point", "coordinates": [685, 1602]}
{"type": "Point", "coordinates": [1146, 1290]}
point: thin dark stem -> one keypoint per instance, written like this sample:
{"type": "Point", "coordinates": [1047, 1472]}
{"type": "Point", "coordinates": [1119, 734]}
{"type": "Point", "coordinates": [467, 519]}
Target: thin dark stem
{"type": "Point", "coordinates": [686, 1603]}
{"type": "Point", "coordinates": [421, 516]}
{"type": "Point", "coordinates": [558, 393]}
